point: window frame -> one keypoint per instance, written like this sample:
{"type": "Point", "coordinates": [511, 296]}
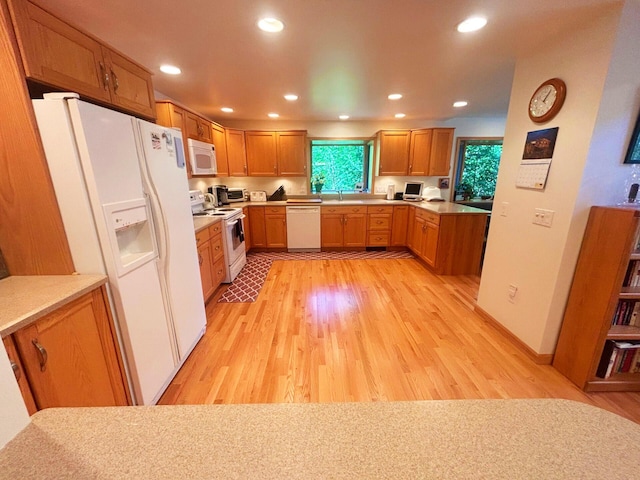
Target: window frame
{"type": "Point", "coordinates": [458, 164]}
{"type": "Point", "coordinates": [369, 154]}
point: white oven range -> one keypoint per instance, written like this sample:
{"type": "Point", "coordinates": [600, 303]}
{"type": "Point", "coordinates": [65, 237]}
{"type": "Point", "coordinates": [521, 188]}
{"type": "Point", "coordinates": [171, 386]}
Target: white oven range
{"type": "Point", "coordinates": [232, 234]}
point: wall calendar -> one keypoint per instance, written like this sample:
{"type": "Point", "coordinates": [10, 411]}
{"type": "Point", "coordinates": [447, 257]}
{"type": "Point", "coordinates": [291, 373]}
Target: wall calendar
{"type": "Point", "coordinates": [533, 174]}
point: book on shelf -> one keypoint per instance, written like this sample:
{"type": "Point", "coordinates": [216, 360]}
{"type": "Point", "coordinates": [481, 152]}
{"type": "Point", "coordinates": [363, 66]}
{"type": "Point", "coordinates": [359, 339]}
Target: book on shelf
{"type": "Point", "coordinates": [619, 357]}
{"type": "Point", "coordinates": [632, 276]}
{"type": "Point", "coordinates": [627, 313]}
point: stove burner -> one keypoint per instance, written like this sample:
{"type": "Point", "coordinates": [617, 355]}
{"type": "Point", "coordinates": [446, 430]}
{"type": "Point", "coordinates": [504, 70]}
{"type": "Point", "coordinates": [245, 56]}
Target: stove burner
{"type": "Point", "coordinates": [225, 209]}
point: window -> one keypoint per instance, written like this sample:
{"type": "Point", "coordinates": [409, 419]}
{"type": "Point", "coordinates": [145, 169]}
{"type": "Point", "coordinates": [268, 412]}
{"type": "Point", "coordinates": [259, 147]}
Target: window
{"type": "Point", "coordinates": [344, 163]}
{"type": "Point", "coordinates": [477, 167]}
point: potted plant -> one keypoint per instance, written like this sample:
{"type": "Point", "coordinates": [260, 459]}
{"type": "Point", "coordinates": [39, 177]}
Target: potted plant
{"type": "Point", "coordinates": [465, 190]}
{"type": "Point", "coordinates": [318, 180]}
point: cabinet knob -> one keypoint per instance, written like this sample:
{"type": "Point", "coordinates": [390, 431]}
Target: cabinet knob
{"type": "Point", "coordinates": [200, 259]}
{"type": "Point", "coordinates": [42, 352]}
{"type": "Point", "coordinates": [16, 370]}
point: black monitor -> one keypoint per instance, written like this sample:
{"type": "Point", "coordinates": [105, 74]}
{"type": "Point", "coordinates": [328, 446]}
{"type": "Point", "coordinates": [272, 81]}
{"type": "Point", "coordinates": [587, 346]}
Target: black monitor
{"type": "Point", "coordinates": [413, 191]}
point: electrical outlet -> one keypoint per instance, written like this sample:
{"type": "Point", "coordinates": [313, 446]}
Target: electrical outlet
{"type": "Point", "coordinates": [543, 217]}
{"type": "Point", "coordinates": [511, 292]}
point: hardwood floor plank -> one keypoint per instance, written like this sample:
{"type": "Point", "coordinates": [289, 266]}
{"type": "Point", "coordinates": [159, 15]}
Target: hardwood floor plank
{"type": "Point", "coordinates": [360, 331]}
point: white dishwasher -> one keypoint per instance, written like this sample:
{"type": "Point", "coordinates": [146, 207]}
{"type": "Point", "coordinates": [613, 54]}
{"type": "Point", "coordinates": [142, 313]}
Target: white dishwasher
{"type": "Point", "coordinates": [303, 229]}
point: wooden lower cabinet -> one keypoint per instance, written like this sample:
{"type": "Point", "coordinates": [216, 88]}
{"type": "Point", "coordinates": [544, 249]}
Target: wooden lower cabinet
{"type": "Point", "coordinates": [399, 226]}
{"type": "Point", "coordinates": [275, 221]}
{"type": "Point", "coordinates": [450, 244]}
{"type": "Point", "coordinates": [343, 226]}
{"type": "Point", "coordinates": [210, 256]}
{"type": "Point", "coordinates": [379, 220]}
{"type": "Point", "coordinates": [257, 225]}
{"type": "Point", "coordinates": [20, 374]}
{"type": "Point", "coordinates": [71, 358]}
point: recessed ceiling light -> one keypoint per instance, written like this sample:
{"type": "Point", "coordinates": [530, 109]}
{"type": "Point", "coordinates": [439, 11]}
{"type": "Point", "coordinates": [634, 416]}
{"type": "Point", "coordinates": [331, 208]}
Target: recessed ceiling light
{"type": "Point", "coordinates": [400, 115]}
{"type": "Point", "coordinates": [227, 109]}
{"type": "Point", "coordinates": [170, 69]}
{"type": "Point", "coordinates": [472, 24]}
{"type": "Point", "coordinates": [273, 115]}
{"type": "Point", "coordinates": [270, 25]}
{"type": "Point", "coordinates": [459, 104]}
{"type": "Point", "coordinates": [344, 117]}
{"type": "Point", "coordinates": [291, 97]}
{"type": "Point", "coordinates": [395, 96]}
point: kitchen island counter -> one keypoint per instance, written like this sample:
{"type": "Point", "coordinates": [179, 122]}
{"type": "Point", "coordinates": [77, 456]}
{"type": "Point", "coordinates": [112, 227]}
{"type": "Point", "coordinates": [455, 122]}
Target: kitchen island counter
{"type": "Point", "coordinates": [544, 438]}
{"type": "Point", "coordinates": [25, 299]}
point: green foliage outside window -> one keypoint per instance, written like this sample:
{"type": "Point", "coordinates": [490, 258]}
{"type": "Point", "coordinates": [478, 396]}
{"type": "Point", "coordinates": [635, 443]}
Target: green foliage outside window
{"type": "Point", "coordinates": [341, 165]}
{"type": "Point", "coordinates": [480, 171]}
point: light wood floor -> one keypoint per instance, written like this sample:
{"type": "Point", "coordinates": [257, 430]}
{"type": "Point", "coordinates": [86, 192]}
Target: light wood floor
{"type": "Point", "coordinates": [364, 330]}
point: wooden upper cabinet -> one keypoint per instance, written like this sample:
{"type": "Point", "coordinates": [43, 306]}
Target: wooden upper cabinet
{"type": "Point", "coordinates": [170, 115]}
{"type": "Point", "coordinates": [292, 153]}
{"type": "Point", "coordinates": [420, 152]}
{"type": "Point", "coordinates": [441, 145]}
{"type": "Point", "coordinates": [197, 127]}
{"type": "Point", "coordinates": [236, 155]}
{"type": "Point", "coordinates": [58, 54]}
{"type": "Point", "coordinates": [219, 140]}
{"type": "Point", "coordinates": [394, 152]}
{"type": "Point", "coordinates": [261, 148]}
{"type": "Point", "coordinates": [130, 84]}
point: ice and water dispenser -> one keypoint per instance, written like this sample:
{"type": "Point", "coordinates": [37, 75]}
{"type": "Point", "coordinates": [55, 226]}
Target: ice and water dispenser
{"type": "Point", "coordinates": [131, 234]}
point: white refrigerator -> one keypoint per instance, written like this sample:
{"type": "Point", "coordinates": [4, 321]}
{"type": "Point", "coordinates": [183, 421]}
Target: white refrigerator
{"type": "Point", "coordinates": [122, 189]}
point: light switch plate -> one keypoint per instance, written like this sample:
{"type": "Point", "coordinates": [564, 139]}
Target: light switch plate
{"type": "Point", "coordinates": [543, 217]}
{"type": "Point", "coordinates": [504, 209]}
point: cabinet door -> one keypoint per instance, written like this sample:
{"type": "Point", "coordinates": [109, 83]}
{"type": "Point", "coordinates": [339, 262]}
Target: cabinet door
{"type": "Point", "coordinates": [204, 126]}
{"type": "Point", "coordinates": [430, 244]}
{"type": "Point", "coordinates": [394, 152]}
{"type": "Point", "coordinates": [276, 231]}
{"type": "Point", "coordinates": [55, 53]}
{"type": "Point", "coordinates": [417, 235]}
{"type": "Point", "coordinates": [70, 356]}
{"type": "Point", "coordinates": [247, 229]}
{"type": "Point", "coordinates": [441, 145]}
{"type": "Point", "coordinates": [192, 125]}
{"type": "Point", "coordinates": [399, 226]}
{"type": "Point", "coordinates": [130, 85]}
{"type": "Point", "coordinates": [236, 155]}
{"type": "Point", "coordinates": [205, 259]}
{"type": "Point", "coordinates": [220, 143]}
{"type": "Point", "coordinates": [420, 152]}
{"type": "Point", "coordinates": [261, 153]}
{"type": "Point", "coordinates": [355, 230]}
{"type": "Point", "coordinates": [292, 153]}
{"type": "Point", "coordinates": [258, 227]}
{"type": "Point", "coordinates": [20, 374]}
{"type": "Point", "coordinates": [169, 115]}
{"type": "Point", "coordinates": [331, 227]}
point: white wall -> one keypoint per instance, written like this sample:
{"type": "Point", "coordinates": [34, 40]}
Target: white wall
{"type": "Point", "coordinates": [13, 413]}
{"type": "Point", "coordinates": [539, 260]}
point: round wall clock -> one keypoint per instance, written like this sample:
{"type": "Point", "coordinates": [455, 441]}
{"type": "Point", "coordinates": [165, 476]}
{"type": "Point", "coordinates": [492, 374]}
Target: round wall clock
{"type": "Point", "coordinates": [547, 100]}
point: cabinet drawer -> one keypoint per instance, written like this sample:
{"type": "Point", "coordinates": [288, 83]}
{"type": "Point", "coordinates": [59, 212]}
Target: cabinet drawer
{"type": "Point", "coordinates": [380, 209]}
{"type": "Point", "coordinates": [428, 216]}
{"type": "Point", "coordinates": [379, 222]}
{"type": "Point", "coordinates": [344, 209]}
{"type": "Point", "coordinates": [378, 239]}
{"type": "Point", "coordinates": [217, 250]}
{"type": "Point", "coordinates": [215, 229]}
{"type": "Point", "coordinates": [275, 210]}
{"type": "Point", "coordinates": [203, 236]}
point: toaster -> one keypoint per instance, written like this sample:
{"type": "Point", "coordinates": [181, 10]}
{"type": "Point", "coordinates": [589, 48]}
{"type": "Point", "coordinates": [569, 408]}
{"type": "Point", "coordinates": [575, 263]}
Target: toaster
{"type": "Point", "coordinates": [258, 196]}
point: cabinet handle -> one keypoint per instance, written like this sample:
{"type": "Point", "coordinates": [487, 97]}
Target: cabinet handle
{"type": "Point", "coordinates": [42, 352]}
{"type": "Point", "coordinates": [105, 76]}
{"type": "Point", "coordinates": [16, 370]}
{"type": "Point", "coordinates": [275, 169]}
{"type": "Point", "coordinates": [116, 84]}
{"type": "Point", "coordinates": [379, 222]}
{"type": "Point", "coordinates": [245, 167]}
{"type": "Point", "coordinates": [200, 259]}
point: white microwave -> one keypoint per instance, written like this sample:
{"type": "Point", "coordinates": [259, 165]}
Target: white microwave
{"type": "Point", "coordinates": [203, 157]}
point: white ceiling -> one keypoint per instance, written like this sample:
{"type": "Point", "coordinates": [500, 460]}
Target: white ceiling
{"type": "Point", "coordinates": [339, 56]}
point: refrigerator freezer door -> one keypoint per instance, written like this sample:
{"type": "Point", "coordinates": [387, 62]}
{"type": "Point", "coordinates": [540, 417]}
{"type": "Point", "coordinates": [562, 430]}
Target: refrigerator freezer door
{"type": "Point", "coordinates": [165, 179]}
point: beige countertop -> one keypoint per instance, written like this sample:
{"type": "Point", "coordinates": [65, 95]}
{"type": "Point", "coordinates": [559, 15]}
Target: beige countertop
{"type": "Point", "coordinates": [24, 299]}
{"type": "Point", "coordinates": [202, 222]}
{"type": "Point", "coordinates": [442, 208]}
{"type": "Point", "coordinates": [493, 439]}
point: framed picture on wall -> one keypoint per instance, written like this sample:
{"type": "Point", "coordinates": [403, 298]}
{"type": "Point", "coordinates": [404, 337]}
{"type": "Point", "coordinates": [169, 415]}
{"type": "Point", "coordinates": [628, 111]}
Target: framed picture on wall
{"type": "Point", "coordinates": [633, 152]}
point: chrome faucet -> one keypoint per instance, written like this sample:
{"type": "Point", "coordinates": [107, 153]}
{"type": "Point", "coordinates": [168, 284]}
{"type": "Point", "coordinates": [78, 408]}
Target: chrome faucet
{"type": "Point", "coordinates": [339, 194]}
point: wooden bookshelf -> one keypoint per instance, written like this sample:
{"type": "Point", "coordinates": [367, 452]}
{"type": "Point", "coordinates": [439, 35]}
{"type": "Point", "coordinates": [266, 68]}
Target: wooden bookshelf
{"type": "Point", "coordinates": [609, 245]}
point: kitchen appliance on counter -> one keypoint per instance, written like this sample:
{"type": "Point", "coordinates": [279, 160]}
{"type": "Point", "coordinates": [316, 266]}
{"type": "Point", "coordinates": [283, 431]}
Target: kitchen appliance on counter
{"type": "Point", "coordinates": [432, 194]}
{"type": "Point", "coordinates": [220, 193]}
{"type": "Point", "coordinates": [121, 186]}
{"type": "Point", "coordinates": [413, 191]}
{"type": "Point", "coordinates": [232, 236]}
{"type": "Point", "coordinates": [236, 195]}
{"type": "Point", "coordinates": [259, 196]}
{"type": "Point", "coordinates": [391, 191]}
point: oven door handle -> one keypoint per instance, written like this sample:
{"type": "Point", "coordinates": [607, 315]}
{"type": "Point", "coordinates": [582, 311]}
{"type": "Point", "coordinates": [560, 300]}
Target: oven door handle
{"type": "Point", "coordinates": [231, 224]}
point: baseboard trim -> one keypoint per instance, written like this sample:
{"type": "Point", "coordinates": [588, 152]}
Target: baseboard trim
{"type": "Point", "coordinates": [538, 358]}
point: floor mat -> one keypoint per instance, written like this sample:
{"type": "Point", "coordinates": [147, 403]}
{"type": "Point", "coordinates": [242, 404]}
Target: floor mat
{"type": "Point", "coordinates": [246, 287]}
